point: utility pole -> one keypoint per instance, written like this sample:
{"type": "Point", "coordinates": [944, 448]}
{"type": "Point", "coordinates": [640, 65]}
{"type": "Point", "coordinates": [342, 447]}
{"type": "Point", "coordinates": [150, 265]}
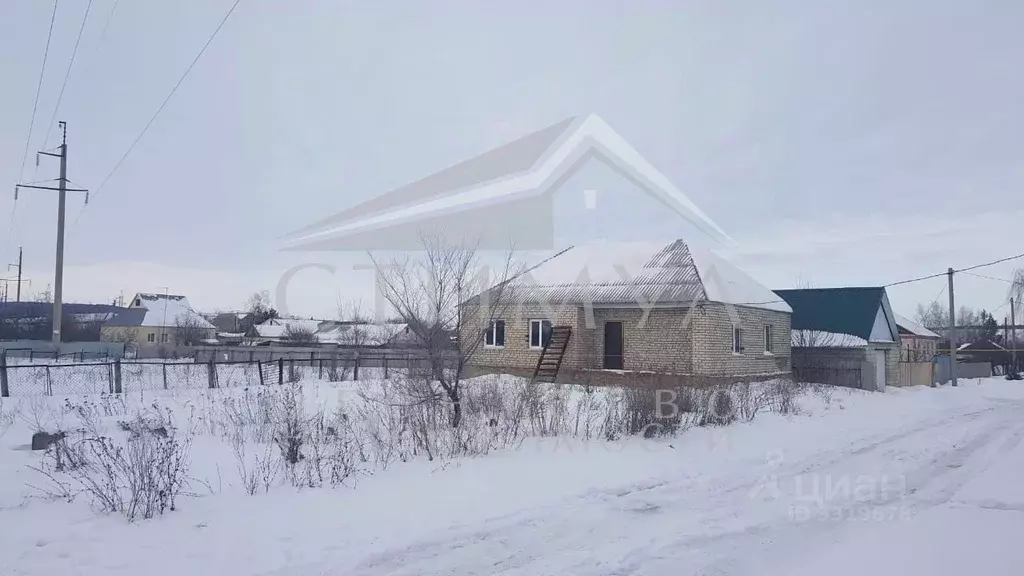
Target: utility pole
{"type": "Point", "coordinates": [1013, 349]}
{"type": "Point", "coordinates": [952, 331]}
{"type": "Point", "coordinates": [62, 190]}
{"type": "Point", "coordinates": [19, 271]}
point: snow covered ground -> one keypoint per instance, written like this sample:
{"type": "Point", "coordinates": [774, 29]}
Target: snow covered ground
{"type": "Point", "coordinates": [913, 482]}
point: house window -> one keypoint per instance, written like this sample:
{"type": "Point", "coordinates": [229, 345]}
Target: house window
{"type": "Point", "coordinates": [768, 339]}
{"type": "Point", "coordinates": [495, 334]}
{"type": "Point", "coordinates": [540, 333]}
{"type": "Point", "coordinates": [163, 337]}
{"type": "Point", "coordinates": [737, 340]}
{"type": "Point", "coordinates": [150, 337]}
{"type": "Point", "coordinates": [138, 302]}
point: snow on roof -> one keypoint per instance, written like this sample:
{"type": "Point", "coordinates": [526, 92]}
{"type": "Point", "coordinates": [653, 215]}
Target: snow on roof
{"type": "Point", "coordinates": [279, 327]}
{"type": "Point", "coordinates": [354, 334]}
{"type": "Point", "coordinates": [822, 339]}
{"type": "Point", "coordinates": [629, 272]}
{"type": "Point", "coordinates": [913, 327]}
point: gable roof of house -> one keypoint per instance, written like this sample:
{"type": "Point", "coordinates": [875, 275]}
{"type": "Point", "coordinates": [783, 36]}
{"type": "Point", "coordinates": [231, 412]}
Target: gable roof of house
{"type": "Point", "coordinates": [840, 310]}
{"type": "Point", "coordinates": [528, 166]}
{"type": "Point", "coordinates": [908, 326]}
{"type": "Point", "coordinates": [668, 272]}
{"type": "Point", "coordinates": [159, 310]}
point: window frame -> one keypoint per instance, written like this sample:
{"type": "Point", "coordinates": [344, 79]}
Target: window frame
{"type": "Point", "coordinates": [164, 338]}
{"type": "Point", "coordinates": [769, 349]}
{"type": "Point", "coordinates": [151, 337]}
{"type": "Point", "coordinates": [737, 340]}
{"type": "Point", "coordinates": [491, 332]}
{"type": "Point", "coordinates": [529, 334]}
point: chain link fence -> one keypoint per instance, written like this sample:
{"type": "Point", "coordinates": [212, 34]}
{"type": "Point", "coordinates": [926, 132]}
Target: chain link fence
{"type": "Point", "coordinates": [117, 376]}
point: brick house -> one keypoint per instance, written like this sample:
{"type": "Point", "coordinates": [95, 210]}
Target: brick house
{"type": "Point", "coordinates": [844, 336]}
{"type": "Point", "coordinates": [917, 343]}
{"type": "Point", "coordinates": [599, 311]}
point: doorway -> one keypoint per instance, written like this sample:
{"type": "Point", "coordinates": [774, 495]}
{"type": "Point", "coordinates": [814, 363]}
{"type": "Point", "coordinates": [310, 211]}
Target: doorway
{"type": "Point", "coordinates": [613, 346]}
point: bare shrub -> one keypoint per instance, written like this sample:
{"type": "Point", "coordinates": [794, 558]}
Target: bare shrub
{"type": "Point", "coordinates": [8, 414]}
{"type": "Point", "coordinates": [139, 477]}
{"type": "Point", "coordinates": [259, 471]}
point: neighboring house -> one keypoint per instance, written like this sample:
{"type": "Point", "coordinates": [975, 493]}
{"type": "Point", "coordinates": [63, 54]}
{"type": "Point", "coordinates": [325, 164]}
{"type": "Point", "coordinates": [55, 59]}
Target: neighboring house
{"type": "Point", "coordinates": [607, 308]}
{"type": "Point", "coordinates": [332, 333]}
{"type": "Point", "coordinates": [158, 319]}
{"type": "Point", "coordinates": [844, 336]}
{"type": "Point", "coordinates": [288, 330]}
{"type": "Point", "coordinates": [917, 343]}
{"type": "Point", "coordinates": [33, 320]}
{"type": "Point", "coordinates": [356, 334]}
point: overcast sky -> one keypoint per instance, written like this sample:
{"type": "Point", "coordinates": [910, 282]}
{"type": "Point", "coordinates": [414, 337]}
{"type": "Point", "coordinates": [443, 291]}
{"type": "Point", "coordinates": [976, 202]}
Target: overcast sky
{"type": "Point", "coordinates": [840, 143]}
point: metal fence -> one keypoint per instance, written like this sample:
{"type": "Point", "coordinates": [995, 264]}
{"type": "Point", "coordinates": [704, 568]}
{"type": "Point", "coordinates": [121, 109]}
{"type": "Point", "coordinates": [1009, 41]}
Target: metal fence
{"type": "Point", "coordinates": [121, 376]}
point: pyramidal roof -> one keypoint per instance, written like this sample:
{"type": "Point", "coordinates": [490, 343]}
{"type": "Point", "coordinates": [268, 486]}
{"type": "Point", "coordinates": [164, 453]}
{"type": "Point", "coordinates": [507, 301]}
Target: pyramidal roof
{"type": "Point", "coordinates": [670, 272]}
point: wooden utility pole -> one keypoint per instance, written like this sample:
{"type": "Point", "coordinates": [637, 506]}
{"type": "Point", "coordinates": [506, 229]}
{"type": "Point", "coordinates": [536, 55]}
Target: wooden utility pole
{"type": "Point", "coordinates": [952, 331]}
{"type": "Point", "coordinates": [62, 190]}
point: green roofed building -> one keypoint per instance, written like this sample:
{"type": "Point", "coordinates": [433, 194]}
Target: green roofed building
{"type": "Point", "coordinates": [845, 336]}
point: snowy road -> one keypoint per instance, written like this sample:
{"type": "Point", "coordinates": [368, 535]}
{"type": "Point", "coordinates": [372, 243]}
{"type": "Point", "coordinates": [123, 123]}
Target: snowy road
{"type": "Point", "coordinates": [939, 496]}
{"type": "Point", "coordinates": [920, 483]}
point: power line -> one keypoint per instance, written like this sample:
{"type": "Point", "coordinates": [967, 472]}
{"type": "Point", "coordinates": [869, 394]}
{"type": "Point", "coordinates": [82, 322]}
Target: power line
{"type": "Point", "coordinates": [1000, 261]}
{"type": "Point", "coordinates": [162, 105]}
{"type": "Point", "coordinates": [914, 279]}
{"type": "Point", "coordinates": [67, 74]}
{"type": "Point", "coordinates": [39, 88]}
{"type": "Point", "coordinates": [989, 277]}
{"type": "Point", "coordinates": [31, 125]}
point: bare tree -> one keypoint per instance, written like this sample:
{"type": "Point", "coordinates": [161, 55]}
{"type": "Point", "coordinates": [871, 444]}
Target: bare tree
{"type": "Point", "coordinates": [446, 293]}
{"type": "Point", "coordinates": [298, 336]}
{"type": "Point", "coordinates": [259, 307]}
{"type": "Point", "coordinates": [189, 330]}
{"type": "Point", "coordinates": [127, 335]}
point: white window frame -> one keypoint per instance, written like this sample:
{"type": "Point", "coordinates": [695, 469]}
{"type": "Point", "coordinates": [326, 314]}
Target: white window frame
{"type": "Point", "coordinates": [164, 338]}
{"type": "Point", "coordinates": [737, 340]}
{"type": "Point", "coordinates": [151, 337]}
{"type": "Point", "coordinates": [768, 340]}
{"type": "Point", "coordinates": [492, 332]}
{"type": "Point", "coordinates": [540, 331]}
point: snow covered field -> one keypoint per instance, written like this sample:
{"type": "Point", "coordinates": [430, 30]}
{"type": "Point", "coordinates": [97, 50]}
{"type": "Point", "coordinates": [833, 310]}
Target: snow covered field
{"type": "Point", "coordinates": [911, 482]}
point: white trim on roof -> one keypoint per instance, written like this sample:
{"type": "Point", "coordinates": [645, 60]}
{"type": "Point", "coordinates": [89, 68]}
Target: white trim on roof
{"type": "Point", "coordinates": [585, 138]}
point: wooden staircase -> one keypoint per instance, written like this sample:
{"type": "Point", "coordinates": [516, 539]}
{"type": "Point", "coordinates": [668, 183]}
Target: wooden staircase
{"type": "Point", "coordinates": [551, 356]}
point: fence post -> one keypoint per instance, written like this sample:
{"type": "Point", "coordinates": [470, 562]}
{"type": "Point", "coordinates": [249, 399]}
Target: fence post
{"type": "Point", "coordinates": [280, 370]}
{"type": "Point", "coordinates": [117, 377]}
{"type": "Point", "coordinates": [355, 366]}
{"type": "Point", "coordinates": [211, 373]}
{"type": "Point", "coordinates": [165, 375]}
{"type": "Point", "coordinates": [4, 390]}
{"type": "Point", "coordinates": [49, 382]}
{"type": "Point", "coordinates": [259, 368]}
{"type": "Point", "coordinates": [385, 365]}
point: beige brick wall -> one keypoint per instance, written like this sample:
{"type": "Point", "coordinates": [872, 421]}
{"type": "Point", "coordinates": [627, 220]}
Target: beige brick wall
{"type": "Point", "coordinates": [713, 354]}
{"type": "Point", "coordinates": [678, 340]}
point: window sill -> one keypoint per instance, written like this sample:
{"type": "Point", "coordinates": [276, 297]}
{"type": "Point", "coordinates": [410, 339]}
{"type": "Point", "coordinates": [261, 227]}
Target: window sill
{"type": "Point", "coordinates": [737, 353]}
{"type": "Point", "coordinates": [493, 347]}
{"type": "Point", "coordinates": [769, 354]}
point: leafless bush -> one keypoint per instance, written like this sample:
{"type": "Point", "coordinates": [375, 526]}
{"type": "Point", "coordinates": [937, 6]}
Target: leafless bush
{"type": "Point", "coordinates": [8, 414]}
{"type": "Point", "coordinates": [139, 477]}
{"type": "Point", "coordinates": [259, 471]}
{"type": "Point", "coordinates": [250, 414]}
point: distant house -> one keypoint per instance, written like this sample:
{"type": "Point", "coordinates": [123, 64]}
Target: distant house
{"type": "Point", "coordinates": [33, 320]}
{"type": "Point", "coordinates": [158, 319]}
{"type": "Point", "coordinates": [917, 343]}
{"type": "Point", "coordinates": [844, 336]}
{"type": "Point", "coordinates": [313, 332]}
{"type": "Point", "coordinates": [608, 308]}
{"type": "Point", "coordinates": [359, 334]}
